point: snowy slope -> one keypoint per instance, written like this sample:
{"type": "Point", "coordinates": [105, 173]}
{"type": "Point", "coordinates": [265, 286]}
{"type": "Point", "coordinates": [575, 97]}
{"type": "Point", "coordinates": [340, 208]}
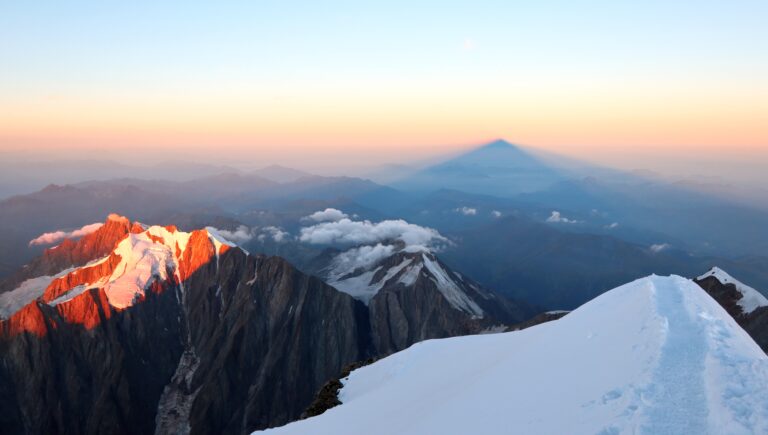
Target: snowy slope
{"type": "Point", "coordinates": [751, 299]}
{"type": "Point", "coordinates": [654, 356]}
{"type": "Point", "coordinates": [26, 292]}
{"type": "Point", "coordinates": [364, 283]}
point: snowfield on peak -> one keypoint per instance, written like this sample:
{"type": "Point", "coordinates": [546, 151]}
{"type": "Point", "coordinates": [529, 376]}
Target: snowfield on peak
{"type": "Point", "coordinates": [147, 256]}
{"type": "Point", "coordinates": [655, 356]}
{"type": "Point", "coordinates": [366, 284]}
{"type": "Point", "coordinates": [26, 292]}
{"type": "Point", "coordinates": [141, 259]}
{"type": "Point", "coordinates": [144, 257]}
{"type": "Point", "coordinates": [751, 299]}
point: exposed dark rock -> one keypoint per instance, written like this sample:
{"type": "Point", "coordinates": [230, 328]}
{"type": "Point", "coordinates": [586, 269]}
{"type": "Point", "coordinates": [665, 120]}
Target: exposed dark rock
{"type": "Point", "coordinates": [404, 314]}
{"type": "Point", "coordinates": [243, 344]}
{"type": "Point", "coordinates": [328, 396]}
{"type": "Point", "coordinates": [538, 320]}
{"type": "Point", "coordinates": [727, 295]}
{"type": "Point", "coordinates": [227, 343]}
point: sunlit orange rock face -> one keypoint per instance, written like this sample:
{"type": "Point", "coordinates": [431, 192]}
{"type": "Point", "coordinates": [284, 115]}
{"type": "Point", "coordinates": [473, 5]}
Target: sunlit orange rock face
{"type": "Point", "coordinates": [87, 309]}
{"type": "Point", "coordinates": [81, 276]}
{"type": "Point", "coordinates": [29, 319]}
{"type": "Point", "coordinates": [92, 306]}
{"type": "Point", "coordinates": [92, 246]}
{"type": "Point", "coordinates": [199, 251]}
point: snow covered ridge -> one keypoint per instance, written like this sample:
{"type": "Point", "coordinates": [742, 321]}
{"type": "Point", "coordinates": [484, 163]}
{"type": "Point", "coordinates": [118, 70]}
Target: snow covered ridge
{"type": "Point", "coordinates": [365, 282]}
{"type": "Point", "coordinates": [26, 292]}
{"type": "Point", "coordinates": [366, 268]}
{"type": "Point", "coordinates": [656, 356]}
{"type": "Point", "coordinates": [138, 260]}
{"type": "Point", "coordinates": [751, 299]}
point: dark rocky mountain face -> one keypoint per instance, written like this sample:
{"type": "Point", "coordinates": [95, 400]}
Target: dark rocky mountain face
{"type": "Point", "coordinates": [225, 343]}
{"type": "Point", "coordinates": [728, 295]}
{"type": "Point", "coordinates": [427, 300]}
{"type": "Point", "coordinates": [413, 296]}
{"type": "Point", "coordinates": [157, 330]}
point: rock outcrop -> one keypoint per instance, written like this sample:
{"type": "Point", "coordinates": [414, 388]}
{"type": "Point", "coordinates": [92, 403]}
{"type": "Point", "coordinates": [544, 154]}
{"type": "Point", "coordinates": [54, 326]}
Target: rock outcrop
{"type": "Point", "coordinates": [746, 305]}
{"type": "Point", "coordinates": [413, 296]}
{"type": "Point", "coordinates": [427, 300]}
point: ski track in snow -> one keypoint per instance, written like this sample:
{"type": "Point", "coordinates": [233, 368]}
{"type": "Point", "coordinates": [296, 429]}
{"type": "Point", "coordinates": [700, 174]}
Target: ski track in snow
{"type": "Point", "coordinates": [677, 394]}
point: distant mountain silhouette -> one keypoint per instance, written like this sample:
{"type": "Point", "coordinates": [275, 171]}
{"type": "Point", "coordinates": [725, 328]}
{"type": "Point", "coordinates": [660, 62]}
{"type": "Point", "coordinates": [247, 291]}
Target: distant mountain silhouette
{"type": "Point", "coordinates": [496, 168]}
{"type": "Point", "coordinates": [281, 174]}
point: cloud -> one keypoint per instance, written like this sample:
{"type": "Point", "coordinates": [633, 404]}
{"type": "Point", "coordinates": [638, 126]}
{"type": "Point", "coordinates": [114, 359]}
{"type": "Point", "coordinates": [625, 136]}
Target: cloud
{"type": "Point", "coordinates": [275, 233]}
{"type": "Point", "coordinates": [612, 226]}
{"type": "Point", "coordinates": [244, 234]}
{"type": "Point", "coordinates": [660, 247]}
{"type": "Point", "coordinates": [360, 257]}
{"type": "Point", "coordinates": [372, 242]}
{"type": "Point", "coordinates": [466, 211]}
{"type": "Point", "coordinates": [349, 232]}
{"type": "Point", "coordinates": [56, 236]}
{"type": "Point", "coordinates": [496, 213]}
{"type": "Point", "coordinates": [327, 215]}
{"type": "Point", "coordinates": [241, 235]}
{"type": "Point", "coordinates": [556, 217]}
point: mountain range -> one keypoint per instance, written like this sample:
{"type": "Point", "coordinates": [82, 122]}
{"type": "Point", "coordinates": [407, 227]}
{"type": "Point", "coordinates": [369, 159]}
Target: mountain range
{"type": "Point", "coordinates": [488, 285]}
{"type": "Point", "coordinates": [136, 328]}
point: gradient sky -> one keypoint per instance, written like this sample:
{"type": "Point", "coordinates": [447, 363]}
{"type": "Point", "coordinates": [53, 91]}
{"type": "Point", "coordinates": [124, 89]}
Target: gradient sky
{"type": "Point", "coordinates": [591, 79]}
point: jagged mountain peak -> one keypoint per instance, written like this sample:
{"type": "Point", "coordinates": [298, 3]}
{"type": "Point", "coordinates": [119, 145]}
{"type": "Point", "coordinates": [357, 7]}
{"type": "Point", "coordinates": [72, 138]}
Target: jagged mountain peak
{"type": "Point", "coordinates": [405, 268]}
{"type": "Point", "coordinates": [120, 262]}
{"type": "Point", "coordinates": [182, 331]}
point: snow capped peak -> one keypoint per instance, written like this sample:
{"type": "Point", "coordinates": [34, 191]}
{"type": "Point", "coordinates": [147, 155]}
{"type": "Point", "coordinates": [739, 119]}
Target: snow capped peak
{"type": "Point", "coordinates": [450, 286]}
{"type": "Point", "coordinates": [751, 299]}
{"type": "Point", "coordinates": [657, 355]}
{"type": "Point", "coordinates": [143, 257]}
{"type": "Point", "coordinates": [364, 271]}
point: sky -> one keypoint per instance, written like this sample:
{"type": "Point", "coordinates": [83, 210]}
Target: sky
{"type": "Point", "coordinates": [619, 82]}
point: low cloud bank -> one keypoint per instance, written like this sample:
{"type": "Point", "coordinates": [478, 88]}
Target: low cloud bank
{"type": "Point", "coordinates": [348, 232]}
{"type": "Point", "coordinates": [244, 234]}
{"type": "Point", "coordinates": [362, 256]}
{"type": "Point", "coordinates": [327, 215]}
{"type": "Point", "coordinates": [241, 235]}
{"type": "Point", "coordinates": [275, 233]}
{"type": "Point", "coordinates": [59, 235]}
{"type": "Point", "coordinates": [370, 242]}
